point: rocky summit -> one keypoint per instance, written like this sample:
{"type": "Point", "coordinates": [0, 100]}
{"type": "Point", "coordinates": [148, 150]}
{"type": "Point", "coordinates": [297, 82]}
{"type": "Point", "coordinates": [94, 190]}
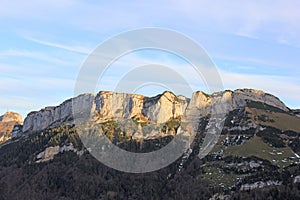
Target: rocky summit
{"type": "Point", "coordinates": [255, 156]}
{"type": "Point", "coordinates": [10, 125]}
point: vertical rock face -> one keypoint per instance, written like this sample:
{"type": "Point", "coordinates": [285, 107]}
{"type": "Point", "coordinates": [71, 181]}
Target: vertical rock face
{"type": "Point", "coordinates": [158, 109]}
{"type": "Point", "coordinates": [111, 105]}
{"type": "Point", "coordinates": [163, 107]}
{"type": "Point", "coordinates": [199, 104]}
{"type": "Point", "coordinates": [9, 122]}
{"type": "Point", "coordinates": [17, 130]}
{"type": "Point", "coordinates": [52, 116]}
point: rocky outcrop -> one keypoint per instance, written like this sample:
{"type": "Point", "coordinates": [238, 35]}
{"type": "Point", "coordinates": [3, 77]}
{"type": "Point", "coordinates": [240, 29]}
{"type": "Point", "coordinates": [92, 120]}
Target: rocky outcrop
{"type": "Point", "coordinates": [259, 184]}
{"type": "Point", "coordinates": [199, 104]}
{"type": "Point", "coordinates": [17, 130]}
{"type": "Point", "coordinates": [111, 105]}
{"type": "Point", "coordinates": [296, 112]}
{"type": "Point", "coordinates": [159, 109]}
{"type": "Point", "coordinates": [239, 96]}
{"type": "Point", "coordinates": [118, 106]}
{"type": "Point", "coordinates": [50, 152]}
{"type": "Point", "coordinates": [11, 117]}
{"type": "Point", "coordinates": [55, 116]}
{"type": "Point", "coordinates": [163, 107]}
{"type": "Point", "coordinates": [9, 123]}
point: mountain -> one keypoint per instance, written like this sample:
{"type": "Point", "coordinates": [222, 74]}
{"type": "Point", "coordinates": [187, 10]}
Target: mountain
{"type": "Point", "coordinates": [10, 123]}
{"type": "Point", "coordinates": [161, 108]}
{"type": "Point", "coordinates": [255, 157]}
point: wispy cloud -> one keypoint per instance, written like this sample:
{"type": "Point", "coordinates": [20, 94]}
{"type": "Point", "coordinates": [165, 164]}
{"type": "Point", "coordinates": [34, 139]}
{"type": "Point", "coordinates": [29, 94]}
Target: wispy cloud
{"type": "Point", "coordinates": [243, 17]}
{"type": "Point", "coordinates": [33, 93]}
{"type": "Point", "coordinates": [77, 49]}
{"type": "Point", "coordinates": [286, 88]}
{"type": "Point", "coordinates": [33, 8]}
{"type": "Point", "coordinates": [250, 18]}
{"type": "Point", "coordinates": [33, 55]}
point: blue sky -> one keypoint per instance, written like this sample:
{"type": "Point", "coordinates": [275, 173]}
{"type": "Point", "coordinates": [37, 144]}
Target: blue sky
{"type": "Point", "coordinates": [254, 44]}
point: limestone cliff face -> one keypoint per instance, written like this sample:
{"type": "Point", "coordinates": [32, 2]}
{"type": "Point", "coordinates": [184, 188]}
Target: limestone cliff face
{"type": "Point", "coordinates": [111, 105]}
{"type": "Point", "coordinates": [163, 107]}
{"type": "Point", "coordinates": [8, 123]}
{"type": "Point", "coordinates": [54, 116]}
{"type": "Point", "coordinates": [199, 104]}
{"type": "Point", "coordinates": [158, 109]}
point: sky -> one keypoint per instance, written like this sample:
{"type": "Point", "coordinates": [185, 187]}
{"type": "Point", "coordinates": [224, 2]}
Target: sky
{"type": "Point", "coordinates": [43, 45]}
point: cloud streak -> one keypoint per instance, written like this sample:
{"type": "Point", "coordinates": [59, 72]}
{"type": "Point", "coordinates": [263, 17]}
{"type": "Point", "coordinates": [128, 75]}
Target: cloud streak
{"type": "Point", "coordinates": [278, 19]}
{"type": "Point", "coordinates": [284, 87]}
{"type": "Point", "coordinates": [77, 49]}
{"type": "Point", "coordinates": [33, 55]}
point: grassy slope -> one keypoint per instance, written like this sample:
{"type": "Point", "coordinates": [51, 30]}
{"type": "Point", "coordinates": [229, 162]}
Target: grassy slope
{"type": "Point", "coordinates": [282, 121]}
{"type": "Point", "coordinates": [256, 147]}
{"type": "Point", "coordinates": [280, 157]}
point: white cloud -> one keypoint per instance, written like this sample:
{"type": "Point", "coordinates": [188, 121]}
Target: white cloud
{"type": "Point", "coordinates": [34, 55]}
{"type": "Point", "coordinates": [247, 15]}
{"type": "Point", "coordinates": [270, 20]}
{"type": "Point", "coordinates": [286, 88]}
{"type": "Point", "coordinates": [78, 49]}
{"type": "Point", "coordinates": [33, 93]}
{"type": "Point", "coordinates": [32, 8]}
